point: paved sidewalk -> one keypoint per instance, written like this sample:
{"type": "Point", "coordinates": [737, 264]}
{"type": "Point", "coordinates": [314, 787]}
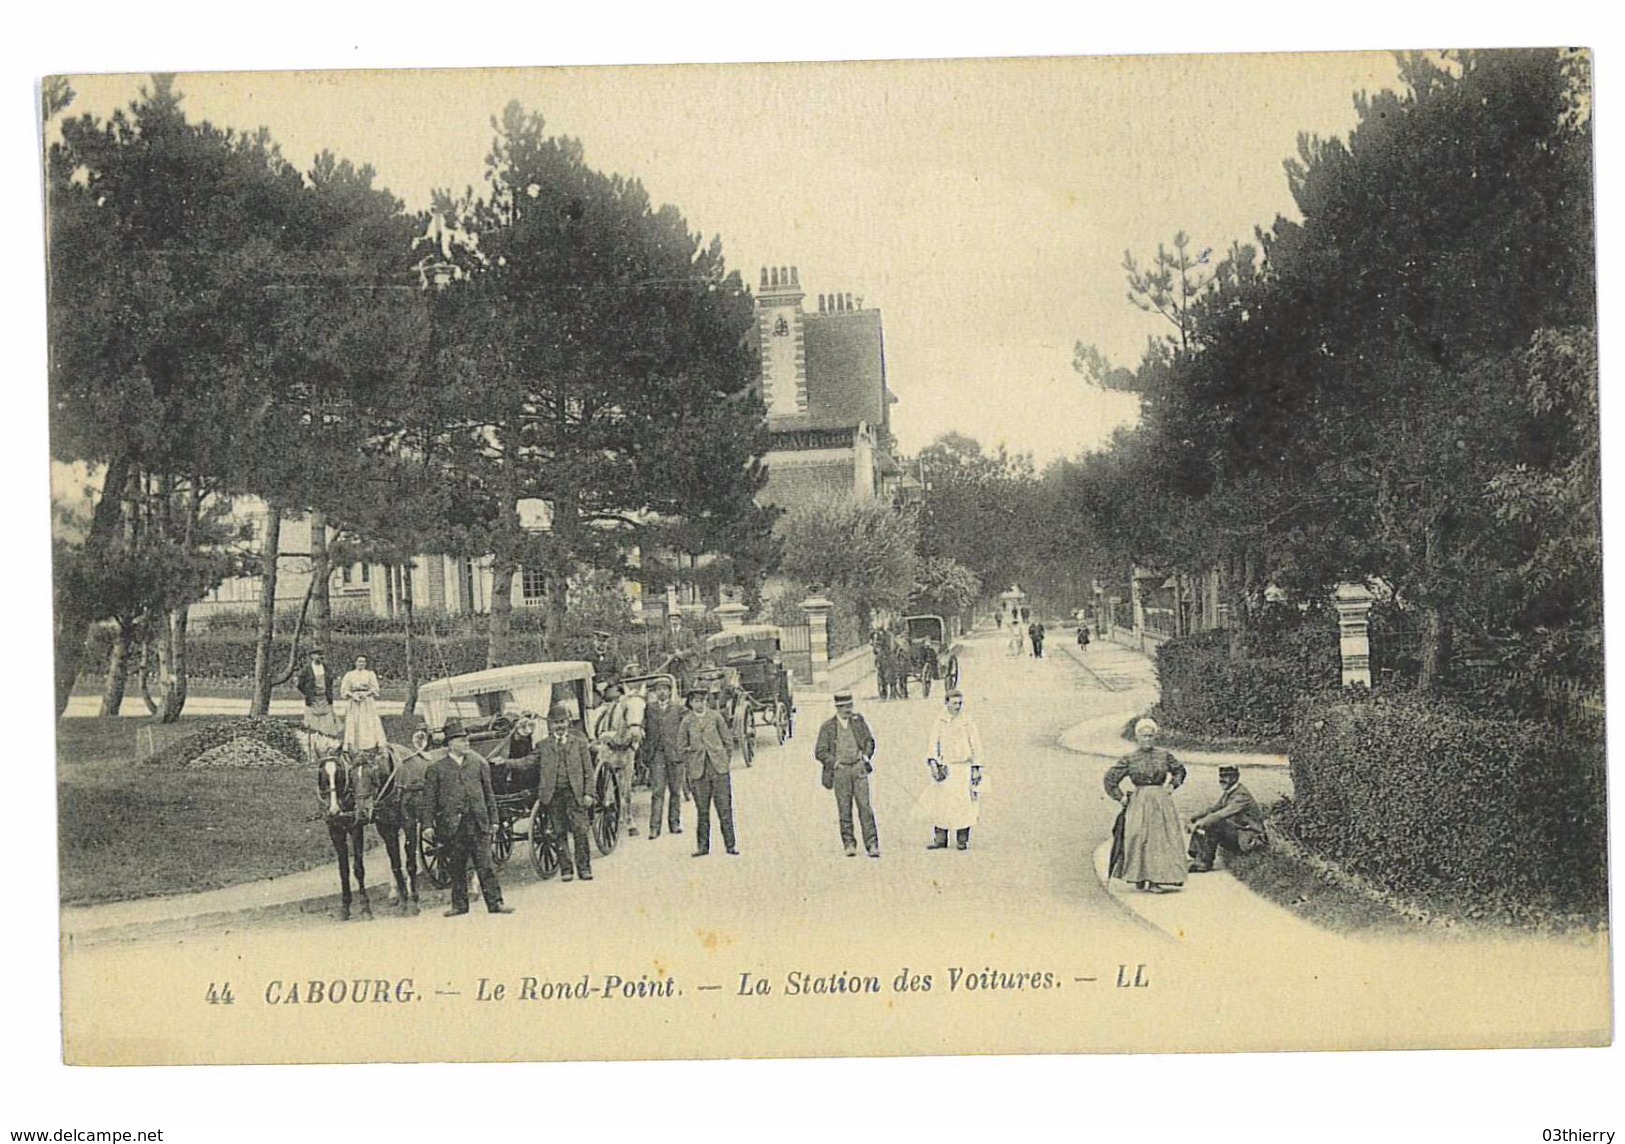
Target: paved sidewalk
{"type": "Point", "coordinates": [1135, 676]}
{"type": "Point", "coordinates": [1212, 910]}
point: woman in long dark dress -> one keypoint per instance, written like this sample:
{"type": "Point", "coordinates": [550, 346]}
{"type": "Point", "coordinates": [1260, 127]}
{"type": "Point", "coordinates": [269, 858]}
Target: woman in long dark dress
{"type": "Point", "coordinates": [1152, 853]}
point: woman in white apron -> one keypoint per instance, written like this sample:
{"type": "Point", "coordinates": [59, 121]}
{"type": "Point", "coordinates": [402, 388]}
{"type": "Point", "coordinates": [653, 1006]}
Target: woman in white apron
{"type": "Point", "coordinates": [363, 730]}
{"type": "Point", "coordinates": [954, 756]}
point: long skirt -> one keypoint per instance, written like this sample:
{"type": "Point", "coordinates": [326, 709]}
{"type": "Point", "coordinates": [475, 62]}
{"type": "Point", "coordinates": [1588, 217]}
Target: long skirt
{"type": "Point", "coordinates": [951, 804]}
{"type": "Point", "coordinates": [363, 730]}
{"type": "Point", "coordinates": [319, 718]}
{"type": "Point", "coordinates": [1153, 841]}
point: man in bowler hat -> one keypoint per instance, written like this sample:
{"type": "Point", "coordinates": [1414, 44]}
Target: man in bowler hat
{"type": "Point", "coordinates": [845, 747]}
{"type": "Point", "coordinates": [564, 789]}
{"type": "Point", "coordinates": [706, 744]}
{"type": "Point", "coordinates": [460, 802]}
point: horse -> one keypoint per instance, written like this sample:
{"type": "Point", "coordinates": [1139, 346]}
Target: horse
{"type": "Point", "coordinates": [347, 788]}
{"type": "Point", "coordinates": [397, 816]}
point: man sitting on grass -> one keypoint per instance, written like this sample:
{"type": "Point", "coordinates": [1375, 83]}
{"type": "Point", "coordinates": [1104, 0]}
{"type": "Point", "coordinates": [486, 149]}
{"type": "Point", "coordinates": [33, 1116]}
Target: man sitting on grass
{"type": "Point", "coordinates": [1234, 824]}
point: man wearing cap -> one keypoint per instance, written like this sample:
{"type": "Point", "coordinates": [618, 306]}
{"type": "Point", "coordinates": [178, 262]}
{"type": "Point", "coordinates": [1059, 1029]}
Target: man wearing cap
{"type": "Point", "coordinates": [667, 774]}
{"type": "Point", "coordinates": [460, 802]}
{"type": "Point", "coordinates": [564, 788]}
{"type": "Point", "coordinates": [1234, 824]}
{"type": "Point", "coordinates": [620, 731]}
{"type": "Point", "coordinates": [315, 684]}
{"type": "Point", "coordinates": [603, 658]}
{"type": "Point", "coordinates": [845, 747]}
{"type": "Point", "coordinates": [705, 743]}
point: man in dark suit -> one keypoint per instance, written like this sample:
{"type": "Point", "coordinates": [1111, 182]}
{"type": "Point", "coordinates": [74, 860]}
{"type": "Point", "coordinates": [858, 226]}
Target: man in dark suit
{"type": "Point", "coordinates": [1234, 824]}
{"type": "Point", "coordinates": [564, 789]}
{"type": "Point", "coordinates": [667, 774]}
{"type": "Point", "coordinates": [1035, 632]}
{"type": "Point", "coordinates": [706, 745]}
{"type": "Point", "coordinates": [460, 802]}
{"type": "Point", "coordinates": [845, 746]}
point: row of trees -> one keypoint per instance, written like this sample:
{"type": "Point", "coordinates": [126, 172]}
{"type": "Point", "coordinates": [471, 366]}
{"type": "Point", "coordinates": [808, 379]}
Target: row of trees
{"type": "Point", "coordinates": [223, 325]}
{"type": "Point", "coordinates": [1399, 386]}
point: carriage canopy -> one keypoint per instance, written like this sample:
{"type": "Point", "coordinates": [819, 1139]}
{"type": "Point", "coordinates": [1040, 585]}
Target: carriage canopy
{"type": "Point", "coordinates": [522, 688]}
{"type": "Point", "coordinates": [747, 641]}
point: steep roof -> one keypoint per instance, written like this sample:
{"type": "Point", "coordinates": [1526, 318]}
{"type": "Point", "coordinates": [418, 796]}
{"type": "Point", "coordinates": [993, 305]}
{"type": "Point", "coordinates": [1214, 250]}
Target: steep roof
{"type": "Point", "coordinates": [846, 372]}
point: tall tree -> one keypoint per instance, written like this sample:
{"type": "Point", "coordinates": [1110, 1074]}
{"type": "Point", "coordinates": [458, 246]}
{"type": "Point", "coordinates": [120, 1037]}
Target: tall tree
{"type": "Point", "coordinates": [158, 232]}
{"type": "Point", "coordinates": [603, 363]}
{"type": "Point", "coordinates": [865, 550]}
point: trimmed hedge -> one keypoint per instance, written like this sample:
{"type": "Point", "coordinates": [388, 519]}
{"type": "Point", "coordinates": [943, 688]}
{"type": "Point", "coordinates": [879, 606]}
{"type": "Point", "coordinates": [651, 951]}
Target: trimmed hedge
{"type": "Point", "coordinates": [1207, 695]}
{"type": "Point", "coordinates": [227, 657]}
{"type": "Point", "coordinates": [1489, 815]}
{"type": "Point", "coordinates": [277, 734]}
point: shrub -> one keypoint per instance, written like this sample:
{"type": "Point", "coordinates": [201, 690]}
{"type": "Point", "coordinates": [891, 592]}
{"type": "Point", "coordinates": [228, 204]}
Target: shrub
{"type": "Point", "coordinates": [1208, 695]}
{"type": "Point", "coordinates": [274, 733]}
{"type": "Point", "coordinates": [1425, 799]}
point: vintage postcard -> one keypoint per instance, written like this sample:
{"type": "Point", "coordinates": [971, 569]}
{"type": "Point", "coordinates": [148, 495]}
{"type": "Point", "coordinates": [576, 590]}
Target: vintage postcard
{"type": "Point", "coordinates": [1059, 555]}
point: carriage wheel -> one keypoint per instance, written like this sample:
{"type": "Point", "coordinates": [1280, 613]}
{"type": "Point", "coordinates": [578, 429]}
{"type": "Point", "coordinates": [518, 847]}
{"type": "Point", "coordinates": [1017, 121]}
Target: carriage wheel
{"type": "Point", "coordinates": [435, 865]}
{"type": "Point", "coordinates": [953, 672]}
{"type": "Point", "coordinates": [544, 848]}
{"type": "Point", "coordinates": [747, 735]}
{"type": "Point", "coordinates": [781, 720]}
{"type": "Point", "coordinates": [502, 843]}
{"type": "Point", "coordinates": [606, 816]}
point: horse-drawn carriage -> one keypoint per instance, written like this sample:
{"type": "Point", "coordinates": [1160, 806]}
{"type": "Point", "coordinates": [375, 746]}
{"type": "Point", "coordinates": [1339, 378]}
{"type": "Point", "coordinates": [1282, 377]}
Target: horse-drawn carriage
{"type": "Point", "coordinates": [503, 709]}
{"type": "Point", "coordinates": [753, 683]}
{"type": "Point", "coordinates": [934, 652]}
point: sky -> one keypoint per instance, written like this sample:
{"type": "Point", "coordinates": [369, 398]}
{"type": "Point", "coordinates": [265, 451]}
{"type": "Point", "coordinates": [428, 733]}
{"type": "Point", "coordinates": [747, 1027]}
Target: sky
{"type": "Point", "coordinates": [984, 206]}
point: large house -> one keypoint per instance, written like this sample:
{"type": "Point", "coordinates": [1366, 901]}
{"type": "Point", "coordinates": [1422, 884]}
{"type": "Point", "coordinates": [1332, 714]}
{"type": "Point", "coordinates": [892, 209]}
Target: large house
{"type": "Point", "coordinates": [824, 383]}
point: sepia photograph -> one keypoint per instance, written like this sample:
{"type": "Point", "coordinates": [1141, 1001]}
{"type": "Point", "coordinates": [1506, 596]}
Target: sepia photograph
{"type": "Point", "coordinates": [918, 558]}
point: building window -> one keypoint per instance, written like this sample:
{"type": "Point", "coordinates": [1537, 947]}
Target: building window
{"type": "Point", "coordinates": [346, 574]}
{"type": "Point", "coordinates": [366, 573]}
{"type": "Point", "coordinates": [532, 585]}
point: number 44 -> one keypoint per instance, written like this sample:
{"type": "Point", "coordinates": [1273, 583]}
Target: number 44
{"type": "Point", "coordinates": [220, 994]}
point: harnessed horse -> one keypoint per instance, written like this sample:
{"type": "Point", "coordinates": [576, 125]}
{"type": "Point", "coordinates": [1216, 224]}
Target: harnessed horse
{"type": "Point", "coordinates": [398, 817]}
{"type": "Point", "coordinates": [347, 788]}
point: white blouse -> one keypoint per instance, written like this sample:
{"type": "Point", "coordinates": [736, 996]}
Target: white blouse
{"type": "Point", "coordinates": [955, 740]}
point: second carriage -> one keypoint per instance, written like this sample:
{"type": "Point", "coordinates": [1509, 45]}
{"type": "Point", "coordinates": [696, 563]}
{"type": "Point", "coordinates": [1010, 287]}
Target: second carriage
{"type": "Point", "coordinates": [934, 651]}
{"type": "Point", "coordinates": [754, 685]}
{"type": "Point", "coordinates": [504, 710]}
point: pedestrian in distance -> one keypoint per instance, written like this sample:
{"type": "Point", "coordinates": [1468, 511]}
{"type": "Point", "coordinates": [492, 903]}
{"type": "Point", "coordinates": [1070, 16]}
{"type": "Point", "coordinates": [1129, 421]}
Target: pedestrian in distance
{"type": "Point", "coordinates": [668, 776]}
{"type": "Point", "coordinates": [846, 751]}
{"type": "Point", "coordinates": [956, 762]}
{"type": "Point", "coordinates": [1148, 842]}
{"type": "Point", "coordinates": [461, 804]}
{"type": "Point", "coordinates": [880, 643]}
{"type": "Point", "coordinates": [1035, 632]}
{"type": "Point", "coordinates": [564, 788]}
{"type": "Point", "coordinates": [1234, 824]}
{"type": "Point", "coordinates": [1083, 636]}
{"type": "Point", "coordinates": [706, 745]}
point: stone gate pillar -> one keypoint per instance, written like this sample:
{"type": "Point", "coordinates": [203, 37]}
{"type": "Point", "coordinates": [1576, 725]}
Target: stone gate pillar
{"type": "Point", "coordinates": [818, 610]}
{"type": "Point", "coordinates": [1353, 603]}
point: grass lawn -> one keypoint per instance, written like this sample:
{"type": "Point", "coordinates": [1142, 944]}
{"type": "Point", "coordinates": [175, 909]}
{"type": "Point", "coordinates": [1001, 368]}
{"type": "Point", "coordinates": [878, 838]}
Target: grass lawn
{"type": "Point", "coordinates": [129, 830]}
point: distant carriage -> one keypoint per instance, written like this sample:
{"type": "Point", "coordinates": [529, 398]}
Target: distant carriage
{"type": "Point", "coordinates": [752, 682]}
{"type": "Point", "coordinates": [504, 710]}
{"type": "Point", "coordinates": [934, 653]}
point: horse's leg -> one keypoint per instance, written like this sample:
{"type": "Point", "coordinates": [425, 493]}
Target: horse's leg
{"type": "Point", "coordinates": [358, 839]}
{"type": "Point", "coordinates": [413, 831]}
{"type": "Point", "coordinates": [389, 829]}
{"type": "Point", "coordinates": [341, 848]}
